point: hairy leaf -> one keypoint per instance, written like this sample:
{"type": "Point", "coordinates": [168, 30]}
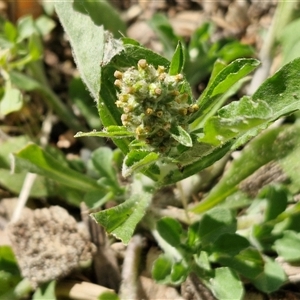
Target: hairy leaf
{"type": "Point", "coordinates": [36, 160]}
{"type": "Point", "coordinates": [270, 145]}
{"type": "Point", "coordinates": [177, 61]}
{"type": "Point", "coordinates": [227, 285]}
{"type": "Point", "coordinates": [121, 220]}
{"type": "Point", "coordinates": [109, 132]}
{"type": "Point", "coordinates": [170, 230]}
{"type": "Point", "coordinates": [288, 246]}
{"type": "Point", "coordinates": [271, 278]}
{"type": "Point", "coordinates": [214, 224]}
{"type": "Point", "coordinates": [137, 160]}
{"type": "Point", "coordinates": [221, 83]}
{"type": "Point", "coordinates": [181, 136]}
{"type": "Point", "coordinates": [87, 41]}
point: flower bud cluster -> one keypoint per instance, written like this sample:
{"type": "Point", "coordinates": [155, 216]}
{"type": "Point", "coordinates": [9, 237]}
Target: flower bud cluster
{"type": "Point", "coordinates": [153, 102]}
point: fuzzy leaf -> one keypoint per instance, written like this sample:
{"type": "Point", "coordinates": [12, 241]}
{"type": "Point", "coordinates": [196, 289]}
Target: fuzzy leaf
{"type": "Point", "coordinates": [45, 292]}
{"type": "Point", "coordinates": [234, 119]}
{"type": "Point", "coordinates": [248, 262]}
{"type": "Point", "coordinates": [170, 230]}
{"type": "Point", "coordinates": [121, 220]}
{"type": "Point", "coordinates": [270, 145]}
{"type": "Point", "coordinates": [227, 285]}
{"type": "Point", "coordinates": [214, 224]}
{"type": "Point", "coordinates": [110, 132]}
{"type": "Point", "coordinates": [87, 41]}
{"type": "Point", "coordinates": [277, 200]}
{"type": "Point", "coordinates": [179, 273]}
{"type": "Point", "coordinates": [271, 278]}
{"type": "Point", "coordinates": [227, 77]}
{"type": "Point", "coordinates": [181, 136]}
{"type": "Point", "coordinates": [281, 93]}
{"type": "Point", "coordinates": [288, 246]}
{"type": "Point", "coordinates": [177, 61]}
{"type": "Point", "coordinates": [11, 101]}
{"type": "Point", "coordinates": [102, 159]}
{"type": "Point", "coordinates": [9, 272]}
{"type": "Point", "coordinates": [195, 159]}
{"type": "Point", "coordinates": [36, 160]}
{"type": "Point", "coordinates": [136, 160]}
{"type": "Point", "coordinates": [162, 268]}
{"type": "Point", "coordinates": [230, 244]}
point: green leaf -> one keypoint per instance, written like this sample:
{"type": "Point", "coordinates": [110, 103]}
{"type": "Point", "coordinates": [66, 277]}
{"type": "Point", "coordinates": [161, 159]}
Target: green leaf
{"type": "Point", "coordinates": [34, 159]}
{"type": "Point", "coordinates": [270, 145]}
{"type": "Point", "coordinates": [44, 24]}
{"type": "Point", "coordinates": [229, 244]}
{"type": "Point", "coordinates": [26, 28]}
{"type": "Point", "coordinates": [136, 160]}
{"type": "Point", "coordinates": [10, 31]}
{"type": "Point", "coordinates": [271, 279]}
{"type": "Point", "coordinates": [12, 144]}
{"type": "Point", "coordinates": [277, 200]}
{"type": "Point", "coordinates": [282, 91]}
{"type": "Point", "coordinates": [235, 119]}
{"type": "Point", "coordinates": [24, 82]}
{"type": "Point", "coordinates": [162, 268]}
{"type": "Point", "coordinates": [166, 271]}
{"type": "Point", "coordinates": [181, 136]}
{"type": "Point", "coordinates": [45, 292]}
{"type": "Point", "coordinates": [102, 159]}
{"type": "Point", "coordinates": [121, 220]}
{"type": "Point", "coordinates": [9, 271]}
{"type": "Point", "coordinates": [170, 230]}
{"type": "Point", "coordinates": [179, 273]}
{"type": "Point", "coordinates": [288, 246]}
{"type": "Point", "coordinates": [290, 165]}
{"type": "Point", "coordinates": [221, 83]}
{"type": "Point", "coordinates": [87, 41]}
{"type": "Point", "coordinates": [235, 50]}
{"type": "Point", "coordinates": [35, 47]}
{"type": "Point", "coordinates": [108, 132]}
{"type": "Point", "coordinates": [202, 260]}
{"type": "Point", "coordinates": [198, 157]}
{"type": "Point", "coordinates": [214, 224]}
{"type": "Point", "coordinates": [249, 262]}
{"type": "Point", "coordinates": [263, 236]}
{"type": "Point", "coordinates": [226, 285]}
{"type": "Point", "coordinates": [177, 61]}
{"type": "Point", "coordinates": [11, 101]}
{"type": "Point", "coordinates": [96, 199]}
{"type": "Point", "coordinates": [102, 13]}
{"type": "Point", "coordinates": [42, 187]}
